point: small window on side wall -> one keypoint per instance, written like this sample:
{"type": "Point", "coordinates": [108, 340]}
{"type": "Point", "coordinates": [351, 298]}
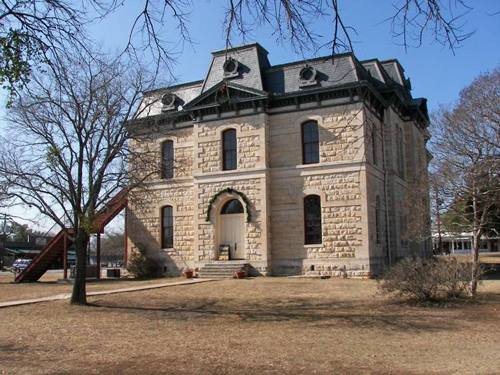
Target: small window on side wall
{"type": "Point", "coordinates": [374, 144]}
{"type": "Point", "coordinates": [312, 220]}
{"type": "Point", "coordinates": [229, 150]}
{"type": "Point", "coordinates": [167, 227]}
{"type": "Point", "coordinates": [310, 142]}
{"type": "Point", "coordinates": [378, 233]}
{"type": "Point", "coordinates": [167, 159]}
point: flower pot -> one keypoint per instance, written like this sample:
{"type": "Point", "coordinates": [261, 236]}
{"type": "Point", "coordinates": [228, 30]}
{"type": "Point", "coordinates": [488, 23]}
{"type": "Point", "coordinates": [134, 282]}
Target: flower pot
{"type": "Point", "coordinates": [188, 274]}
{"type": "Point", "coordinates": [239, 275]}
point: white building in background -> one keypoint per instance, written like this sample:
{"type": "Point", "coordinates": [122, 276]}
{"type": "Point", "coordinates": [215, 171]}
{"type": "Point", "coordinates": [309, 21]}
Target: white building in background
{"type": "Point", "coordinates": [461, 243]}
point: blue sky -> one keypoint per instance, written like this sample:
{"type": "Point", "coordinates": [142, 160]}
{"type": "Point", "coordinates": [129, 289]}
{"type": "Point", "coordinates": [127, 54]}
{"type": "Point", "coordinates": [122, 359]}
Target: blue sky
{"type": "Point", "coordinates": [435, 72]}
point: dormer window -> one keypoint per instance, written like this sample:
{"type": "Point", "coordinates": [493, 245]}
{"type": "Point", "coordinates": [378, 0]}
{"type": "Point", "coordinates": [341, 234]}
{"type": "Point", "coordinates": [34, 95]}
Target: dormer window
{"type": "Point", "coordinates": [230, 68]}
{"type": "Point", "coordinates": [168, 100]}
{"type": "Point", "coordinates": [308, 76]}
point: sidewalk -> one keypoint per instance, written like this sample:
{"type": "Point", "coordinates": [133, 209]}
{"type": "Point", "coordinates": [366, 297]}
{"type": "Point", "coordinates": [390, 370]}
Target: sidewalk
{"type": "Point", "coordinates": [58, 297]}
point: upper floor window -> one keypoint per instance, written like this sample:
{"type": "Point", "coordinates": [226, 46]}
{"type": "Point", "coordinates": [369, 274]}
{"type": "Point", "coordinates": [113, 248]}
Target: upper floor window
{"type": "Point", "coordinates": [167, 227]}
{"type": "Point", "coordinates": [167, 159]}
{"type": "Point", "coordinates": [310, 142]}
{"type": "Point", "coordinates": [229, 149]}
{"type": "Point", "coordinates": [401, 153]}
{"type": "Point", "coordinates": [374, 144]}
{"type": "Point", "coordinates": [377, 220]}
{"type": "Point", "coordinates": [312, 220]}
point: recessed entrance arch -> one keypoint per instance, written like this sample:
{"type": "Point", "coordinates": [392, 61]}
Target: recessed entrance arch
{"type": "Point", "coordinates": [231, 228]}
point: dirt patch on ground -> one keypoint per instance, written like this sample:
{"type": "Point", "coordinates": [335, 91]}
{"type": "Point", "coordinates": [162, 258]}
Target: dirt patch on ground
{"type": "Point", "coordinates": [264, 325]}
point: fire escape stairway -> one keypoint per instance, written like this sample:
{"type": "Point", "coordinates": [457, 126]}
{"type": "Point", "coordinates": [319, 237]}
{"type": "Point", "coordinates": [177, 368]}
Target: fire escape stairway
{"type": "Point", "coordinates": [42, 261]}
{"type": "Point", "coordinates": [55, 248]}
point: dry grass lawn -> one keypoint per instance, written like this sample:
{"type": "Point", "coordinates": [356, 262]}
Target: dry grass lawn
{"type": "Point", "coordinates": [257, 326]}
{"type": "Point", "coordinates": [48, 286]}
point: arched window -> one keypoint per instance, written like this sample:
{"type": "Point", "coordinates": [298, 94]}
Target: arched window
{"type": "Point", "coordinates": [232, 207]}
{"type": "Point", "coordinates": [167, 227]}
{"type": "Point", "coordinates": [167, 159]}
{"type": "Point", "coordinates": [377, 219]}
{"type": "Point", "coordinates": [310, 142]}
{"type": "Point", "coordinates": [229, 149]}
{"type": "Point", "coordinates": [312, 220]}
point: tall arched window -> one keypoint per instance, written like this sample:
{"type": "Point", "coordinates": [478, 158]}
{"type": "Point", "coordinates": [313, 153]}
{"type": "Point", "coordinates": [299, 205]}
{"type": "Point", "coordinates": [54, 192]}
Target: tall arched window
{"type": "Point", "coordinates": [167, 159]}
{"type": "Point", "coordinates": [312, 220]}
{"type": "Point", "coordinates": [310, 142]}
{"type": "Point", "coordinates": [167, 227]}
{"type": "Point", "coordinates": [229, 150]}
{"type": "Point", "coordinates": [377, 219]}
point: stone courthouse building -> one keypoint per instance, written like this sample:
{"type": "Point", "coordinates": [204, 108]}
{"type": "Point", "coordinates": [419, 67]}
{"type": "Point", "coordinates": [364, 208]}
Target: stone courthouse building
{"type": "Point", "coordinates": [304, 167]}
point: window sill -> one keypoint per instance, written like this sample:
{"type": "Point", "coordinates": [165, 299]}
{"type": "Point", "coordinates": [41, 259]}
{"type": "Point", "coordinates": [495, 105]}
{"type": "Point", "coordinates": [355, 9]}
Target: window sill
{"type": "Point", "coordinates": [313, 245]}
{"type": "Point", "coordinates": [306, 164]}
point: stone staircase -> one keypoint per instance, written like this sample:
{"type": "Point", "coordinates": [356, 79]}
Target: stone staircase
{"type": "Point", "coordinates": [223, 269]}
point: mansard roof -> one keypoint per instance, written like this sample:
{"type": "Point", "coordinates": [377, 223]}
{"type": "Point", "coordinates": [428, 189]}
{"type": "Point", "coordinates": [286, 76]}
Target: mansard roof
{"type": "Point", "coordinates": [247, 71]}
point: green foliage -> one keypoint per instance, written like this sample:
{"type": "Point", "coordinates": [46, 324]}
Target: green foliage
{"type": "Point", "coordinates": [459, 217]}
{"type": "Point", "coordinates": [141, 266]}
{"type": "Point", "coordinates": [17, 52]}
{"type": "Point", "coordinates": [456, 219]}
{"type": "Point", "coordinates": [19, 232]}
{"type": "Point", "coordinates": [53, 154]}
{"type": "Point", "coordinates": [229, 190]}
{"type": "Point", "coordinates": [427, 279]}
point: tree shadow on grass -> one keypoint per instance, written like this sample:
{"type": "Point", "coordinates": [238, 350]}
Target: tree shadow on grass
{"type": "Point", "coordinates": [294, 310]}
{"type": "Point", "coordinates": [6, 348]}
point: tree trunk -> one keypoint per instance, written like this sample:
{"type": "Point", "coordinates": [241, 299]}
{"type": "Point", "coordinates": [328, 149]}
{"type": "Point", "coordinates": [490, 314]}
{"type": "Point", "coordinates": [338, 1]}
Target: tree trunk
{"type": "Point", "coordinates": [476, 235]}
{"type": "Point", "coordinates": [79, 295]}
{"type": "Point", "coordinates": [475, 264]}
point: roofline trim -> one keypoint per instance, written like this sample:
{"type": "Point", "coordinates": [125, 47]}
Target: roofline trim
{"type": "Point", "coordinates": [193, 83]}
{"type": "Point", "coordinates": [244, 46]}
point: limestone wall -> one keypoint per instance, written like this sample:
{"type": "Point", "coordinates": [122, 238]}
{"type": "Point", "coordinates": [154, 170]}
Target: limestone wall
{"type": "Point", "coordinates": [337, 180]}
{"type": "Point", "coordinates": [146, 156]}
{"type": "Point", "coordinates": [255, 233]}
{"type": "Point", "coordinates": [274, 182]}
{"type": "Point", "coordinates": [144, 223]}
{"type": "Point", "coordinates": [340, 135]}
{"type": "Point", "coordinates": [250, 133]}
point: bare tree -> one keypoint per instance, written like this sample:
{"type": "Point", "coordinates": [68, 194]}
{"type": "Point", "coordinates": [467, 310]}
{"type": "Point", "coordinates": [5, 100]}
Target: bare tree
{"type": "Point", "coordinates": [33, 31]}
{"type": "Point", "coordinates": [66, 152]}
{"type": "Point", "coordinates": [112, 246]}
{"type": "Point", "coordinates": [467, 152]}
{"type": "Point", "coordinates": [436, 186]}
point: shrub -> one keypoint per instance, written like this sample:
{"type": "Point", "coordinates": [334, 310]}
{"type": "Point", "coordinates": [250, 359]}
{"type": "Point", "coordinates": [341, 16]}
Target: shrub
{"type": "Point", "coordinates": [427, 279]}
{"type": "Point", "coordinates": [141, 266]}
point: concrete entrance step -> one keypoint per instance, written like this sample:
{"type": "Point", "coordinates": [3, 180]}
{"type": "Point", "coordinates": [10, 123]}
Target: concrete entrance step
{"type": "Point", "coordinates": [222, 269]}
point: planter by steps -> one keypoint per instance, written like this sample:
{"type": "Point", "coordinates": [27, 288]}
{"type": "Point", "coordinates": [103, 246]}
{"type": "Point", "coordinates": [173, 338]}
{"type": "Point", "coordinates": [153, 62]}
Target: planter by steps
{"type": "Point", "coordinates": [239, 275]}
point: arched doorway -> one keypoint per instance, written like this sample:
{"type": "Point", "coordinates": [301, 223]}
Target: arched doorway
{"type": "Point", "coordinates": [232, 228]}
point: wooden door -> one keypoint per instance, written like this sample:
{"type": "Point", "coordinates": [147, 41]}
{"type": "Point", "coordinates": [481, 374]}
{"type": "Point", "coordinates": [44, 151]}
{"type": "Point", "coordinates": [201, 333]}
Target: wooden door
{"type": "Point", "coordinates": [232, 234]}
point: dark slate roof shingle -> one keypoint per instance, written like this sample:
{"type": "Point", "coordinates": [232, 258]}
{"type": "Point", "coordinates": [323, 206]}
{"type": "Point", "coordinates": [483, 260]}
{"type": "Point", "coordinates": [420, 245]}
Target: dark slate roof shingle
{"type": "Point", "coordinates": [257, 73]}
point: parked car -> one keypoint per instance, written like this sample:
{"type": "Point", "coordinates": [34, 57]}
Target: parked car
{"type": "Point", "coordinates": [20, 265]}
